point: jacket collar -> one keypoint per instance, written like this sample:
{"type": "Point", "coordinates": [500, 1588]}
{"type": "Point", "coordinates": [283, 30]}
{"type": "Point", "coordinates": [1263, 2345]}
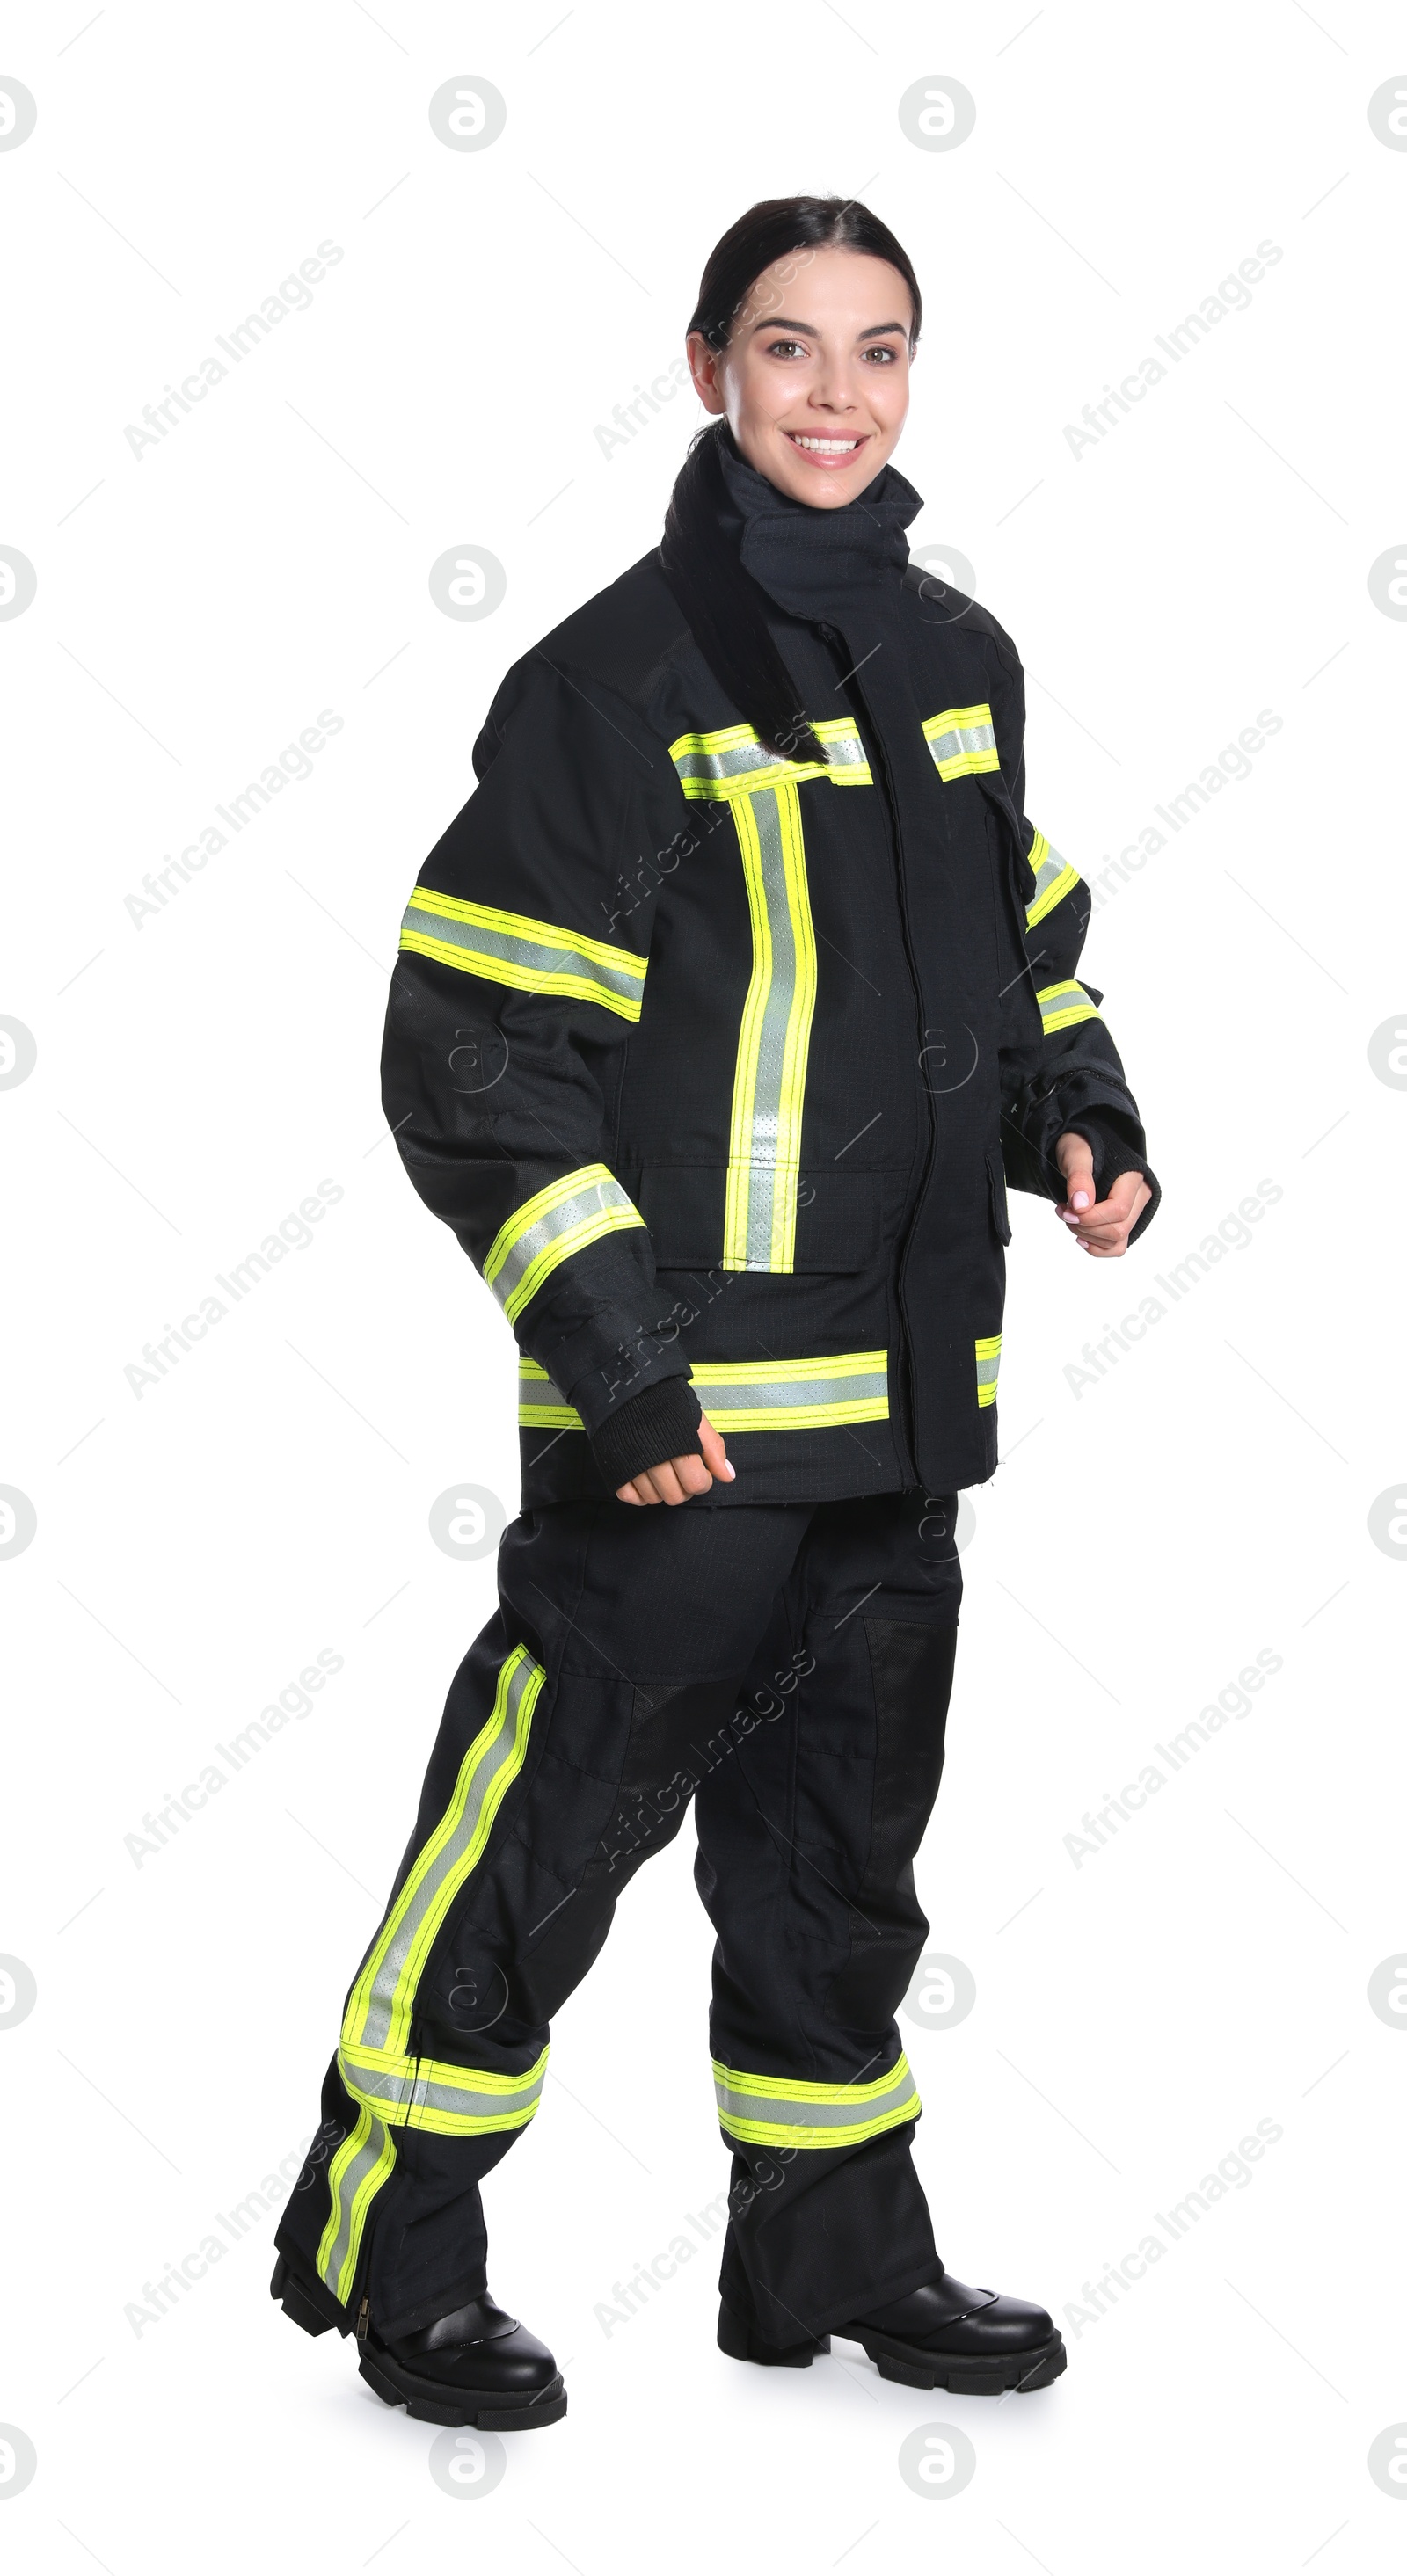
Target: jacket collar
{"type": "Point", "coordinates": [817, 563]}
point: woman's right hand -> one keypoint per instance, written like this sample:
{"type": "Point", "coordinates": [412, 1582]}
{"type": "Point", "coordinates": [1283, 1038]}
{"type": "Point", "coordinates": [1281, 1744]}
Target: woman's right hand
{"type": "Point", "coordinates": [676, 1480]}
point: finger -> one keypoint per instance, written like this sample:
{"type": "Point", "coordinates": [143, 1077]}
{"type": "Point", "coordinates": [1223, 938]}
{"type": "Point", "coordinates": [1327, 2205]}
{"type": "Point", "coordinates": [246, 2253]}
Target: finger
{"type": "Point", "coordinates": [628, 1494]}
{"type": "Point", "coordinates": [715, 1455]}
{"type": "Point", "coordinates": [666, 1483]}
{"type": "Point", "coordinates": [692, 1473]}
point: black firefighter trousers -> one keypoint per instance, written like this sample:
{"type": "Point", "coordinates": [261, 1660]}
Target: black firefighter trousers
{"type": "Point", "coordinates": [788, 1667]}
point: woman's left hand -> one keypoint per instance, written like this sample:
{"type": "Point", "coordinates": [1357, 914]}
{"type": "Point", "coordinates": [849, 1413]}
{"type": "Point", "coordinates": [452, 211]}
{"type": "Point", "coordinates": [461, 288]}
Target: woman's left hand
{"type": "Point", "coordinates": [1100, 1226]}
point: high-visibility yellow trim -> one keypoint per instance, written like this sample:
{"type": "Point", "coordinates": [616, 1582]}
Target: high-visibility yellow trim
{"type": "Point", "coordinates": [430, 2093]}
{"type": "Point", "coordinates": [793, 1395]}
{"type": "Point", "coordinates": [562, 1219]}
{"type": "Point", "coordinates": [541, 1405]}
{"type": "Point", "coordinates": [713, 767]}
{"type": "Point", "coordinates": [513, 948]}
{"type": "Point", "coordinates": [989, 1353]}
{"type": "Point", "coordinates": [769, 1085]}
{"type": "Point", "coordinates": [382, 2001]}
{"type": "Point", "coordinates": [1063, 1006]}
{"type": "Point", "coordinates": [962, 741]}
{"type": "Point", "coordinates": [1055, 878]}
{"type": "Point", "coordinates": [754, 2108]}
{"type": "Point", "coordinates": [354, 2177]}
{"type": "Point", "coordinates": [747, 1395]}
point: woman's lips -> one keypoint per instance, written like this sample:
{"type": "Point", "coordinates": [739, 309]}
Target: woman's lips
{"type": "Point", "coordinates": [831, 454]}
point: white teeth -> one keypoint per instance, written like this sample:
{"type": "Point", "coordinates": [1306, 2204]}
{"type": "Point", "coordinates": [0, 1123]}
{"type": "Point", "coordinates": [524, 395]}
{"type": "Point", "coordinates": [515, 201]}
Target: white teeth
{"type": "Point", "coordinates": [825, 446]}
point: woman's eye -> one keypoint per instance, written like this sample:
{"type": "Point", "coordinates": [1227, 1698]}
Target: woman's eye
{"type": "Point", "coordinates": [880, 351]}
{"type": "Point", "coordinates": [785, 349]}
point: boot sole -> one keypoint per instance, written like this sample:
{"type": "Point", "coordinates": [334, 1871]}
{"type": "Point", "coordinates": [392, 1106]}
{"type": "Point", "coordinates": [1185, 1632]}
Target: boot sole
{"type": "Point", "coordinates": [430, 2401]}
{"type": "Point", "coordinates": [965, 2374]}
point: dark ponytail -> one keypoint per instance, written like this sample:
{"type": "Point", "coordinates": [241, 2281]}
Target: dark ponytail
{"type": "Point", "coordinates": [726, 609]}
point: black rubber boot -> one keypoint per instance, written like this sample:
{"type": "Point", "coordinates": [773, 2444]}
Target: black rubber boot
{"type": "Point", "coordinates": [973, 2342]}
{"type": "Point", "coordinates": [941, 2336]}
{"type": "Point", "coordinates": [476, 2367]}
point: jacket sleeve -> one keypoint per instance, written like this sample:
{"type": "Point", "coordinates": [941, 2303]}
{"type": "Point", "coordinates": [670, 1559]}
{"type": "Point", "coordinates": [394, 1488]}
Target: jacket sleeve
{"type": "Point", "coordinates": [1060, 1068]}
{"type": "Point", "coordinates": [512, 1003]}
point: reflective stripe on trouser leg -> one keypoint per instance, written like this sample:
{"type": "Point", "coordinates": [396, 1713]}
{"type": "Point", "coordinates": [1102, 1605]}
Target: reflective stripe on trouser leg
{"type": "Point", "coordinates": [989, 1351]}
{"type": "Point", "coordinates": [775, 2111]}
{"type": "Point", "coordinates": [355, 2176]}
{"type": "Point", "coordinates": [392, 2088]}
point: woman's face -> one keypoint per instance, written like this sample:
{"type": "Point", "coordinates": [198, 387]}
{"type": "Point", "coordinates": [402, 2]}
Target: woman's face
{"type": "Point", "coordinates": [815, 377]}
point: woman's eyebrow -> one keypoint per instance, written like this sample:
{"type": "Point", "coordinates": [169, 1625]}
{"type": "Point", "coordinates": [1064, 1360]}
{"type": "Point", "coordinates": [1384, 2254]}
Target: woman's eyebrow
{"type": "Point", "coordinates": [784, 322]}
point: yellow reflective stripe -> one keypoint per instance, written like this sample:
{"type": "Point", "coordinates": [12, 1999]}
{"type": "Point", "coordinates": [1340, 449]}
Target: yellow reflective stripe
{"type": "Point", "coordinates": [962, 741]}
{"type": "Point", "coordinates": [793, 1395]}
{"type": "Point", "coordinates": [533, 956]}
{"type": "Point", "coordinates": [355, 2175]}
{"type": "Point", "coordinates": [1055, 878]}
{"type": "Point", "coordinates": [430, 2093]}
{"type": "Point", "coordinates": [541, 1405]}
{"type": "Point", "coordinates": [764, 1138]}
{"type": "Point", "coordinates": [548, 1228]}
{"type": "Point", "coordinates": [777, 2111]}
{"type": "Point", "coordinates": [733, 762]}
{"type": "Point", "coordinates": [1063, 1005]}
{"type": "Point", "coordinates": [381, 2002]}
{"type": "Point", "coordinates": [989, 1353]}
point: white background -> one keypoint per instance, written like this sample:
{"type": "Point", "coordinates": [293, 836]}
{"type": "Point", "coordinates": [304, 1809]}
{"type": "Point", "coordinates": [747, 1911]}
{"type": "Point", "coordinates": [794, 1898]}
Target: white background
{"type": "Point", "coordinates": [1206, 1498]}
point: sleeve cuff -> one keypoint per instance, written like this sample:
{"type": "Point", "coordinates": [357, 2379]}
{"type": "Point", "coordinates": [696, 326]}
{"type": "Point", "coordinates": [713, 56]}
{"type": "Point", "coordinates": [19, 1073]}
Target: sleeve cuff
{"type": "Point", "coordinates": [661, 1422]}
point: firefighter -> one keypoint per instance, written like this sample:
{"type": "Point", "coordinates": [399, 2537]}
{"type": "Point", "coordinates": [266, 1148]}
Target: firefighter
{"type": "Point", "coordinates": [726, 1012]}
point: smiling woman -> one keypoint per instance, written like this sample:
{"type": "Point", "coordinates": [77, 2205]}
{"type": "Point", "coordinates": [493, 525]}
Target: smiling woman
{"type": "Point", "coordinates": [739, 1184]}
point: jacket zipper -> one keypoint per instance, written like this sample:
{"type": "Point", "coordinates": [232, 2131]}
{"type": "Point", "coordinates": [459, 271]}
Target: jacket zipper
{"type": "Point", "coordinates": [363, 2320]}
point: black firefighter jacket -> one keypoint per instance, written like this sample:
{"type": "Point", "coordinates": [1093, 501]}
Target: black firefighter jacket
{"type": "Point", "coordinates": [721, 1064]}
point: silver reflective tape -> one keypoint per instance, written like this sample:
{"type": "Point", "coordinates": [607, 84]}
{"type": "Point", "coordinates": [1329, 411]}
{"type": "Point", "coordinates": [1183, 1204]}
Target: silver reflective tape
{"type": "Point", "coordinates": [987, 1370]}
{"type": "Point", "coordinates": [742, 760]}
{"type": "Point", "coordinates": [413, 2090]}
{"type": "Point", "coordinates": [466, 2103]}
{"type": "Point", "coordinates": [722, 1395]}
{"type": "Point", "coordinates": [358, 2170]}
{"type": "Point", "coordinates": [844, 751]}
{"type": "Point", "coordinates": [781, 2110]}
{"type": "Point", "coordinates": [961, 740]}
{"type": "Point", "coordinates": [447, 1860]}
{"type": "Point", "coordinates": [772, 1036]}
{"type": "Point", "coordinates": [1051, 867]}
{"type": "Point", "coordinates": [530, 955]}
{"type": "Point", "coordinates": [557, 1221]}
